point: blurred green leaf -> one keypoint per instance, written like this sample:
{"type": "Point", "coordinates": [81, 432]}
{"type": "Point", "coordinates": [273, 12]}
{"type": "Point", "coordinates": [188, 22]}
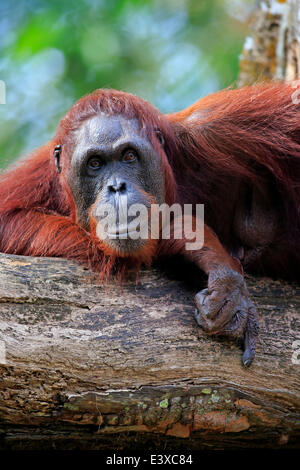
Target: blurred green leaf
{"type": "Point", "coordinates": [170, 53]}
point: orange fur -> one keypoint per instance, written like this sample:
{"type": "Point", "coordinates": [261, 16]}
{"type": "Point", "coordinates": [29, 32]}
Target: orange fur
{"type": "Point", "coordinates": [220, 142]}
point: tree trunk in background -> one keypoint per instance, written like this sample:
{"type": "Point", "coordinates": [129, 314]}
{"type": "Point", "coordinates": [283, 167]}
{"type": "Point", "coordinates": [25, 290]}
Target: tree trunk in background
{"type": "Point", "coordinates": [90, 367]}
{"type": "Point", "coordinates": [273, 51]}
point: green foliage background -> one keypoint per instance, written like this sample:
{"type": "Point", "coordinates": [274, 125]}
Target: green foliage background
{"type": "Point", "coordinates": [170, 52]}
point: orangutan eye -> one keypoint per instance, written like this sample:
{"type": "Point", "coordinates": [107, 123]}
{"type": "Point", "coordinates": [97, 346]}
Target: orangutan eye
{"type": "Point", "coordinates": [129, 156]}
{"type": "Point", "coordinates": [94, 163]}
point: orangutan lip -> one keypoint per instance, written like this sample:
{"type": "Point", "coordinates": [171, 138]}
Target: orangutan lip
{"type": "Point", "coordinates": [120, 229]}
{"type": "Point", "coordinates": [121, 232]}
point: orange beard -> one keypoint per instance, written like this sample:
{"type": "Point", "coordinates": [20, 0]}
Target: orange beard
{"type": "Point", "coordinates": [143, 255]}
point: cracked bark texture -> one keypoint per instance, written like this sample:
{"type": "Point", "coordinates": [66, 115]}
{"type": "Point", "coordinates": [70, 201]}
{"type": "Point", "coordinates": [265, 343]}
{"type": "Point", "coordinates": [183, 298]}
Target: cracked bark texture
{"type": "Point", "coordinates": [86, 365]}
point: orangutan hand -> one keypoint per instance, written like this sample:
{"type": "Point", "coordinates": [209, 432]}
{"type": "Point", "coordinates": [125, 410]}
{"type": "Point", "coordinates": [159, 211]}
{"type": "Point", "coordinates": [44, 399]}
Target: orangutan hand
{"type": "Point", "coordinates": [225, 309]}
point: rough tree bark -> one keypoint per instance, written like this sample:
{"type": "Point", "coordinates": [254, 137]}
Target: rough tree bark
{"type": "Point", "coordinates": [85, 366]}
{"type": "Point", "coordinates": [85, 362]}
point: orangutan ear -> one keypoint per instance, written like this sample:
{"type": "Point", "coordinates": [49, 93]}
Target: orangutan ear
{"type": "Point", "coordinates": [160, 137]}
{"type": "Point", "coordinates": [56, 155]}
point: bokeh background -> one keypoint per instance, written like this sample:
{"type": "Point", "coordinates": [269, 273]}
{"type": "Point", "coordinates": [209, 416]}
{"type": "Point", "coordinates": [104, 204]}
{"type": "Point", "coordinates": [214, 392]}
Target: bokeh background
{"type": "Point", "coordinates": [170, 52]}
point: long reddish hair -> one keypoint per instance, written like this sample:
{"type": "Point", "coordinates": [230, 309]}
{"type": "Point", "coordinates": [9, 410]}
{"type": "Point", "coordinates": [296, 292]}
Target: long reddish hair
{"type": "Point", "coordinates": [247, 134]}
{"type": "Point", "coordinates": [33, 188]}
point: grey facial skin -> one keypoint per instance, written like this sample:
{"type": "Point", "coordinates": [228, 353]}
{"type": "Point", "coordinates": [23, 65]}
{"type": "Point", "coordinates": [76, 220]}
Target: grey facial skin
{"type": "Point", "coordinates": [108, 138]}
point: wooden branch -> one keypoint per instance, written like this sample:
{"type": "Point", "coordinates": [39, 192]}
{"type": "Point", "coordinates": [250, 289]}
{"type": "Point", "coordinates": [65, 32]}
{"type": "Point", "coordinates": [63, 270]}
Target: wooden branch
{"type": "Point", "coordinates": [86, 362]}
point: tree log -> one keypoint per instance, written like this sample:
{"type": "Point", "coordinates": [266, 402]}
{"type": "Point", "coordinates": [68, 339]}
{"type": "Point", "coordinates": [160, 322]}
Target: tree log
{"type": "Point", "coordinates": [85, 365]}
